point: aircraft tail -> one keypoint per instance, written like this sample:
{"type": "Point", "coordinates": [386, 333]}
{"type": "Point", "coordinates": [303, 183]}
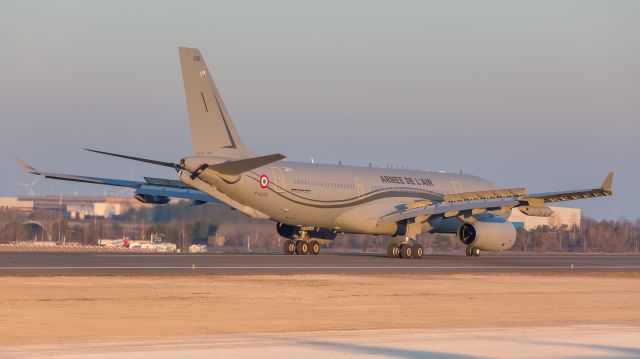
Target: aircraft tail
{"type": "Point", "coordinates": [212, 130]}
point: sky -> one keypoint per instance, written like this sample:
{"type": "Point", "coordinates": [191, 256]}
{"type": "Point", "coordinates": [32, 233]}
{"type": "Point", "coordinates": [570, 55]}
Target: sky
{"type": "Point", "coordinates": [541, 94]}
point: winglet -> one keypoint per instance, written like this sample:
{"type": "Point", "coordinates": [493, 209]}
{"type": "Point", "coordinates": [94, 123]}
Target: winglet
{"type": "Point", "coordinates": [25, 166]}
{"type": "Point", "coordinates": [608, 182]}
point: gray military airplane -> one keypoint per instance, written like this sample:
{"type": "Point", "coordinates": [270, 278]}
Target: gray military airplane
{"type": "Point", "coordinates": [312, 203]}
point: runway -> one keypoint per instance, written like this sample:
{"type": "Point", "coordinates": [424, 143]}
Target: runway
{"type": "Point", "coordinates": [30, 264]}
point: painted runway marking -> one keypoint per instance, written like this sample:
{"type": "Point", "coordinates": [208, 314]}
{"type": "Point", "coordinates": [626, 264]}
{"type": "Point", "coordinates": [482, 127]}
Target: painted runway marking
{"type": "Point", "coordinates": [328, 267]}
{"type": "Point", "coordinates": [346, 255]}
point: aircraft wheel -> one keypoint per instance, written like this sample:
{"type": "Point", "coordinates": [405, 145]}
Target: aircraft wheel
{"type": "Point", "coordinates": [418, 251]}
{"type": "Point", "coordinates": [406, 252]}
{"type": "Point", "coordinates": [393, 251]}
{"type": "Point", "coordinates": [475, 252]}
{"type": "Point", "coordinates": [289, 247]}
{"type": "Point", "coordinates": [314, 248]}
{"type": "Point", "coordinates": [468, 252]}
{"type": "Point", "coordinates": [302, 247]}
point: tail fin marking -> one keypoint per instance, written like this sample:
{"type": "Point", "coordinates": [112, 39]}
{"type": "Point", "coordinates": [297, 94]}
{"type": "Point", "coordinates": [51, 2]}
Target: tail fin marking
{"type": "Point", "coordinates": [212, 130]}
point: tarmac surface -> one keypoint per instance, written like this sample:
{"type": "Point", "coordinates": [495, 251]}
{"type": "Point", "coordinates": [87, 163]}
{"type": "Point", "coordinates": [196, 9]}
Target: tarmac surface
{"type": "Point", "coordinates": [38, 264]}
{"type": "Point", "coordinates": [585, 341]}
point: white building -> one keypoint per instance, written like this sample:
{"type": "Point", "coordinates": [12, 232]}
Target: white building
{"type": "Point", "coordinates": [560, 216]}
{"type": "Point", "coordinates": [77, 207]}
{"type": "Point", "coordinates": [15, 203]}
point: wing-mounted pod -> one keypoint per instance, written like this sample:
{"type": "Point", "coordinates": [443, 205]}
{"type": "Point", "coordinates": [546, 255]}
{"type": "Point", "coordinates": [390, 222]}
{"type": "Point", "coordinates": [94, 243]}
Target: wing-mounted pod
{"type": "Point", "coordinates": [536, 211]}
{"type": "Point", "coordinates": [535, 207]}
{"type": "Point", "coordinates": [151, 199]}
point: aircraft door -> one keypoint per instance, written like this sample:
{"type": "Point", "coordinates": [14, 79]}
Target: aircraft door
{"type": "Point", "coordinates": [457, 187]}
{"type": "Point", "coordinates": [359, 187]}
{"type": "Point", "coordinates": [278, 179]}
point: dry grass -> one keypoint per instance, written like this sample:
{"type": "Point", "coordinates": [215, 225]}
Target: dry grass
{"type": "Point", "coordinates": [41, 309]}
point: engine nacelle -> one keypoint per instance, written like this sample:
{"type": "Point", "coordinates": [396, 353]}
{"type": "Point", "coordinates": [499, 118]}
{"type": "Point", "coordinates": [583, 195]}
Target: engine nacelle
{"type": "Point", "coordinates": [488, 236]}
{"type": "Point", "coordinates": [147, 198]}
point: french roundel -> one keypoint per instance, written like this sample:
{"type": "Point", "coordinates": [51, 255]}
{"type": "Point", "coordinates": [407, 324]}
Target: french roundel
{"type": "Point", "coordinates": [264, 181]}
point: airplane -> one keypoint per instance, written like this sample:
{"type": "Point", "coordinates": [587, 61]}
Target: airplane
{"type": "Point", "coordinates": [313, 203]}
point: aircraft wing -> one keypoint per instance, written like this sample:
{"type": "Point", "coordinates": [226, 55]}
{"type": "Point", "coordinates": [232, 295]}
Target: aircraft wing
{"type": "Point", "coordinates": [604, 190]}
{"type": "Point", "coordinates": [157, 187]}
{"type": "Point", "coordinates": [450, 209]}
{"type": "Point", "coordinates": [471, 203]}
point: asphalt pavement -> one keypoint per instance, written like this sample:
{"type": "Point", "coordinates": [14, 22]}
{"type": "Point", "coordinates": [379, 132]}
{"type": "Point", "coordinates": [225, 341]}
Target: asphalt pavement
{"type": "Point", "coordinates": [38, 263]}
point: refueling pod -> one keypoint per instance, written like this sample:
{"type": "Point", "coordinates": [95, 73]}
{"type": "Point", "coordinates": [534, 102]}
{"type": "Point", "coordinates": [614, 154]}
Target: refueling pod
{"type": "Point", "coordinates": [488, 236]}
{"type": "Point", "coordinates": [536, 211]}
{"type": "Point", "coordinates": [147, 198]}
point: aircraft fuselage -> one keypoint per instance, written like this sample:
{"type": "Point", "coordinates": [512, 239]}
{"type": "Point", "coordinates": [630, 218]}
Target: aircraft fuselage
{"type": "Point", "coordinates": [327, 196]}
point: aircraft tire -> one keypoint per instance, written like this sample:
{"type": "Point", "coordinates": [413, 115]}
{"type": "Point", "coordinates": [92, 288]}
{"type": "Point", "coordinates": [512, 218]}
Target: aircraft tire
{"type": "Point", "coordinates": [406, 252]}
{"type": "Point", "coordinates": [289, 247]}
{"type": "Point", "coordinates": [302, 248]}
{"type": "Point", "coordinates": [393, 251]}
{"type": "Point", "coordinates": [418, 251]}
{"type": "Point", "coordinates": [314, 248]}
{"type": "Point", "coordinates": [468, 252]}
{"type": "Point", "coordinates": [475, 251]}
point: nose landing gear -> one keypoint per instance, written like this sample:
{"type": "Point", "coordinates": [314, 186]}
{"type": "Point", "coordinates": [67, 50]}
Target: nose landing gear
{"type": "Point", "coordinates": [472, 251]}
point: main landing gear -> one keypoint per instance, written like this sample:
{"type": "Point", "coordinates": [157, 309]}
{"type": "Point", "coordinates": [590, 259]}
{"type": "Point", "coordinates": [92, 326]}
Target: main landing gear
{"type": "Point", "coordinates": [302, 245]}
{"type": "Point", "coordinates": [472, 251]}
{"type": "Point", "coordinates": [405, 250]}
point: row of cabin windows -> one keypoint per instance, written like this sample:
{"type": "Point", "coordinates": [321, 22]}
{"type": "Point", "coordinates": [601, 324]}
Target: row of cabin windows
{"type": "Point", "coordinates": [403, 189]}
{"type": "Point", "coordinates": [347, 185]}
{"type": "Point", "coordinates": [324, 184]}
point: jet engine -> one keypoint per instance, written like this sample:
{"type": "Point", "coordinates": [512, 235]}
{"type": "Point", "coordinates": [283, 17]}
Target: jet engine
{"type": "Point", "coordinates": [147, 198]}
{"type": "Point", "coordinates": [488, 236]}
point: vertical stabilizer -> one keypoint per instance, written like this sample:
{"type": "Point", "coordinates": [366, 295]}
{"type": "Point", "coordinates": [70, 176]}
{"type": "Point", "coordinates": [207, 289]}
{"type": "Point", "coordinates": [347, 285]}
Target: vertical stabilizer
{"type": "Point", "coordinates": [212, 131]}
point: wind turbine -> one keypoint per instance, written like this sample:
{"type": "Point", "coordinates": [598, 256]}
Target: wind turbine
{"type": "Point", "coordinates": [29, 186]}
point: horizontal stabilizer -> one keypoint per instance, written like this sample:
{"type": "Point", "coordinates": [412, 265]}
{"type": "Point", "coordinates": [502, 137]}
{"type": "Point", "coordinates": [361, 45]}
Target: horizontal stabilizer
{"type": "Point", "coordinates": [159, 163]}
{"type": "Point", "coordinates": [234, 168]}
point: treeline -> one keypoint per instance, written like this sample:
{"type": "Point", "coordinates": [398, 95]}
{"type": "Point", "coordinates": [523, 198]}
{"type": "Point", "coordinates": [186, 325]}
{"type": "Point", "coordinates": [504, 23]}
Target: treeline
{"type": "Point", "coordinates": [217, 225]}
{"type": "Point", "coordinates": [611, 236]}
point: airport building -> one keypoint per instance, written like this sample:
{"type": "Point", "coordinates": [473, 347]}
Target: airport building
{"type": "Point", "coordinates": [15, 203]}
{"type": "Point", "coordinates": [560, 216]}
{"type": "Point", "coordinates": [75, 207]}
